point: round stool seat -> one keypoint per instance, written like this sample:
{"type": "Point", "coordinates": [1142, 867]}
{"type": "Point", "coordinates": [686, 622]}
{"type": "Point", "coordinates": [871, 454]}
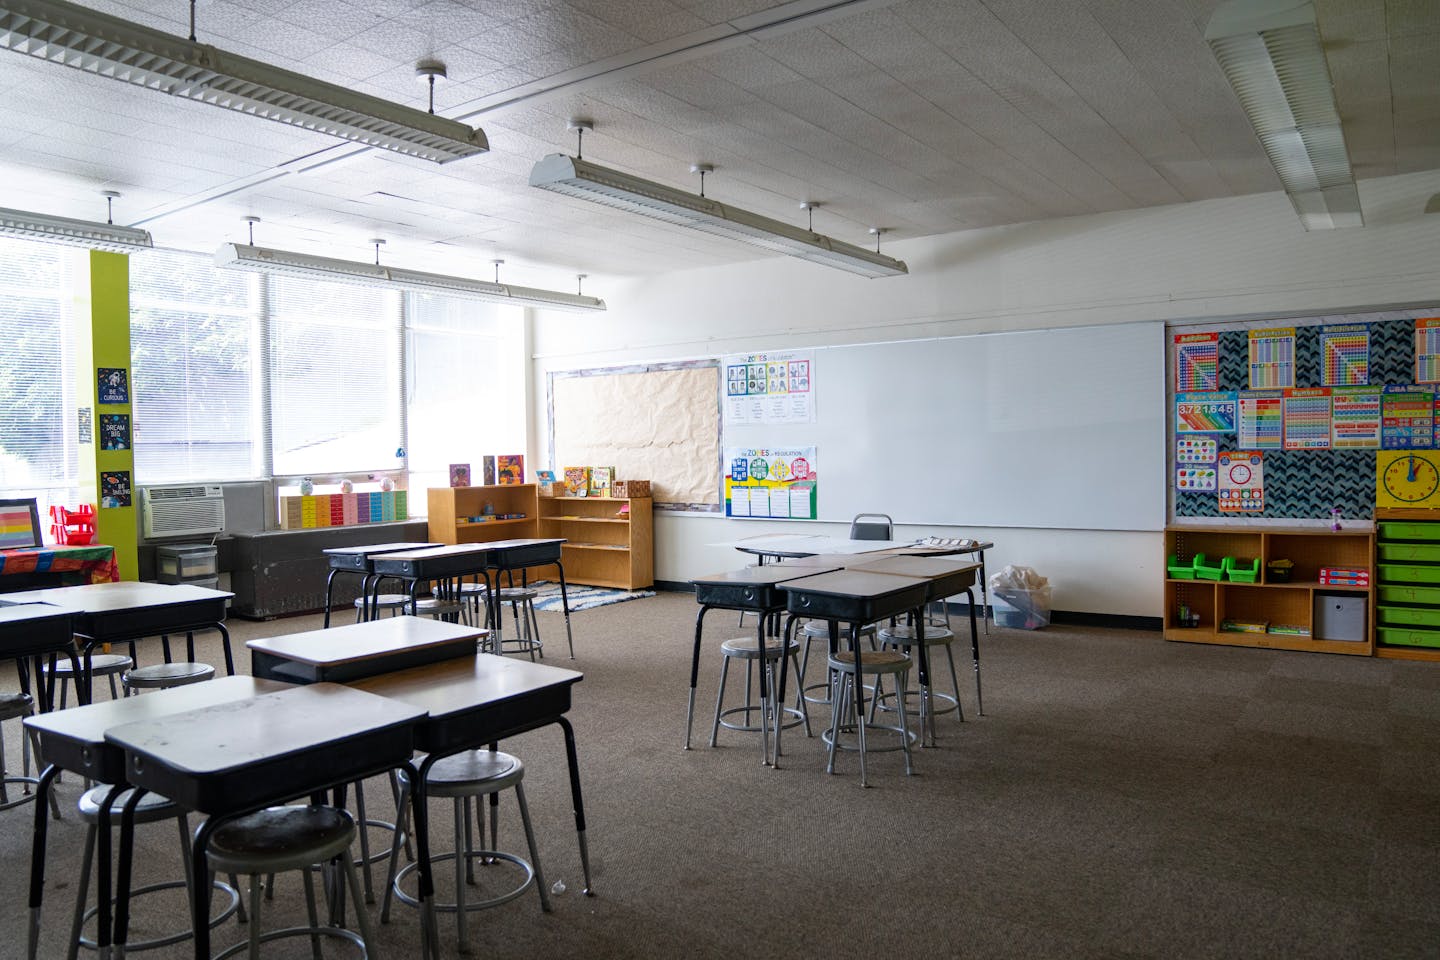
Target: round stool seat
{"type": "Point", "coordinates": [385, 601]}
{"type": "Point", "coordinates": [435, 607]}
{"type": "Point", "coordinates": [904, 636]}
{"type": "Point", "coordinates": [517, 594]}
{"type": "Point", "coordinates": [875, 661]}
{"type": "Point", "coordinates": [14, 705]}
{"type": "Point", "coordinates": [468, 587]}
{"type": "Point", "coordinates": [820, 629]}
{"type": "Point", "coordinates": [748, 648]}
{"type": "Point", "coordinates": [161, 676]}
{"type": "Point", "coordinates": [100, 664]}
{"type": "Point", "coordinates": [474, 772]}
{"type": "Point", "coordinates": [280, 838]}
{"type": "Point", "coordinates": [152, 806]}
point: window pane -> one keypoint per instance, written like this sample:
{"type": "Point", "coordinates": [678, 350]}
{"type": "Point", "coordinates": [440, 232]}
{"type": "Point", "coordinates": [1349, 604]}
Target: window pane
{"type": "Point", "coordinates": [334, 377]}
{"type": "Point", "coordinates": [191, 331]}
{"type": "Point", "coordinates": [466, 388]}
{"type": "Point", "coordinates": [38, 454]}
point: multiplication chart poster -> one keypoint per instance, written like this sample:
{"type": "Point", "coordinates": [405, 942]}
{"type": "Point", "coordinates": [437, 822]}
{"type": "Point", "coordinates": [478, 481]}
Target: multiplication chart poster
{"type": "Point", "coordinates": [1307, 419]}
{"type": "Point", "coordinates": [1272, 358]}
{"type": "Point", "coordinates": [1427, 350]}
{"type": "Point", "coordinates": [1407, 417]}
{"type": "Point", "coordinates": [1355, 418]}
{"type": "Point", "coordinates": [1197, 362]}
{"type": "Point", "coordinates": [1242, 481]}
{"type": "Point", "coordinates": [1212, 412]}
{"type": "Point", "coordinates": [1262, 420]}
{"type": "Point", "coordinates": [770, 387]}
{"type": "Point", "coordinates": [1345, 354]}
{"type": "Point", "coordinates": [770, 482]}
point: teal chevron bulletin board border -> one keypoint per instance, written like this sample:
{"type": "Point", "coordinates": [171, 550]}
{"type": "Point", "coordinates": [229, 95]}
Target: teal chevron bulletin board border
{"type": "Point", "coordinates": [1302, 484]}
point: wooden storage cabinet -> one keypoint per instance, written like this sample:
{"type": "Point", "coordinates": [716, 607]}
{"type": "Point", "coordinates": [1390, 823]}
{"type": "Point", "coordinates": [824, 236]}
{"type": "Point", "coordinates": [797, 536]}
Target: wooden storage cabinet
{"type": "Point", "coordinates": [450, 510]}
{"type": "Point", "coordinates": [1407, 613]}
{"type": "Point", "coordinates": [606, 544]}
{"type": "Point", "coordinates": [1288, 603]}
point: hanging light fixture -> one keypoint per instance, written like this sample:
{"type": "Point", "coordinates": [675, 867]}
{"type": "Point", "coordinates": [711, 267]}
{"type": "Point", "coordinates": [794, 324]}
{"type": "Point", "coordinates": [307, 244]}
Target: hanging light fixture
{"type": "Point", "coordinates": [575, 177]}
{"type": "Point", "coordinates": [80, 233]}
{"type": "Point", "coordinates": [108, 46]}
{"type": "Point", "coordinates": [241, 256]}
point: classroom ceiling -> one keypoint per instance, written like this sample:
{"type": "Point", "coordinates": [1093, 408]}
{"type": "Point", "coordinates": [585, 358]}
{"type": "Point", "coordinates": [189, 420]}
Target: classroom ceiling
{"type": "Point", "coordinates": [919, 116]}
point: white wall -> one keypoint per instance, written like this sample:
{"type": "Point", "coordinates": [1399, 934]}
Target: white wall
{"type": "Point", "coordinates": [1217, 259]}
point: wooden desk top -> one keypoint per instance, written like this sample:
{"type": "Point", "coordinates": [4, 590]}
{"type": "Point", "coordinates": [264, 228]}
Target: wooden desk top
{"type": "Point", "coordinates": [466, 683]}
{"type": "Point", "coordinates": [768, 574]}
{"type": "Point", "coordinates": [432, 553]}
{"type": "Point", "coordinates": [523, 542]}
{"type": "Point", "coordinates": [367, 549]}
{"type": "Point", "coordinates": [853, 583]}
{"type": "Point", "coordinates": [355, 642]}
{"type": "Point", "coordinates": [125, 595]}
{"type": "Point", "coordinates": [916, 566]}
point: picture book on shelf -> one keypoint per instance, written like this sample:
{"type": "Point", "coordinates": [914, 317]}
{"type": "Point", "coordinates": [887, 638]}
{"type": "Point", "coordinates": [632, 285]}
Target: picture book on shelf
{"type": "Point", "coordinates": [577, 481]}
{"type": "Point", "coordinates": [459, 474]}
{"type": "Point", "coordinates": [488, 469]}
{"type": "Point", "coordinates": [546, 480]}
{"type": "Point", "coordinates": [600, 478]}
{"type": "Point", "coordinates": [510, 468]}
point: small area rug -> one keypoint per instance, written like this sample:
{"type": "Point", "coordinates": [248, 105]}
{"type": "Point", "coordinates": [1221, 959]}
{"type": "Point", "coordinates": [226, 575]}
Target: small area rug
{"type": "Point", "coordinates": [581, 597]}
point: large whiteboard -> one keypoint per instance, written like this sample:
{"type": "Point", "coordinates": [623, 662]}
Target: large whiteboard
{"type": "Point", "coordinates": [1052, 429]}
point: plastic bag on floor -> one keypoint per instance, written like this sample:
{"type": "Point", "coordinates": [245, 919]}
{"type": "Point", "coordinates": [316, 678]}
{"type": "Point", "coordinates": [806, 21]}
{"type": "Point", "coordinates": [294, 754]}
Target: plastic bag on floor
{"type": "Point", "coordinates": [1021, 598]}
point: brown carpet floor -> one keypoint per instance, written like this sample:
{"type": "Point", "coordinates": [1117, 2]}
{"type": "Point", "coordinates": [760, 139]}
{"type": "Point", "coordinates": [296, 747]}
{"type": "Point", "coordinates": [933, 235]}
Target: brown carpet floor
{"type": "Point", "coordinates": [1122, 797]}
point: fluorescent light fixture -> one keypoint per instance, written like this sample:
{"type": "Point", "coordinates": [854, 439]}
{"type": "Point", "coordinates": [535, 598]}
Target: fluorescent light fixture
{"type": "Point", "coordinates": [1271, 53]}
{"type": "Point", "coordinates": [574, 177]}
{"type": "Point", "coordinates": [239, 256]}
{"type": "Point", "coordinates": [79, 233]}
{"type": "Point", "coordinates": [110, 47]}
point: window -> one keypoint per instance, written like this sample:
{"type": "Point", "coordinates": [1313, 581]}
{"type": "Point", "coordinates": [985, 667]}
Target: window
{"type": "Point", "coordinates": [334, 378]}
{"type": "Point", "coordinates": [466, 387]}
{"type": "Point", "coordinates": [195, 400]}
{"type": "Point", "coordinates": [38, 425]}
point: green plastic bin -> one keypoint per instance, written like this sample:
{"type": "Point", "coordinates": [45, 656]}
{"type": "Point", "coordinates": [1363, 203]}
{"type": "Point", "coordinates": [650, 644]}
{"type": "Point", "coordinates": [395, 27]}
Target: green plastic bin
{"type": "Point", "coordinates": [1404, 594]}
{"type": "Point", "coordinates": [1404, 552]}
{"type": "Point", "coordinates": [1409, 573]}
{"type": "Point", "coordinates": [1204, 570]}
{"type": "Point", "coordinates": [1410, 616]}
{"type": "Point", "coordinates": [1241, 571]}
{"type": "Point", "coordinates": [1178, 570]}
{"type": "Point", "coordinates": [1400, 637]}
{"type": "Point", "coordinates": [1400, 530]}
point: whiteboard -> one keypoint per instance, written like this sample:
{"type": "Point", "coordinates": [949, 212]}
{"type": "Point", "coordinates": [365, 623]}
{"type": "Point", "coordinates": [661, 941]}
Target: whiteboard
{"type": "Point", "coordinates": [1056, 429]}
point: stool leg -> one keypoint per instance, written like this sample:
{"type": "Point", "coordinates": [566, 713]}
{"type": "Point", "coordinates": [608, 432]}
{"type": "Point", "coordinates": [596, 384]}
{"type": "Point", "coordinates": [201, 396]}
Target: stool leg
{"type": "Point", "coordinates": [837, 686]}
{"type": "Point", "coordinates": [310, 910]}
{"type": "Point", "coordinates": [464, 805]}
{"type": "Point", "coordinates": [955, 682]}
{"type": "Point", "coordinates": [364, 840]}
{"type": "Point", "coordinates": [534, 850]}
{"type": "Point", "coordinates": [462, 859]}
{"type": "Point", "coordinates": [361, 916]}
{"type": "Point", "coordinates": [76, 924]}
{"type": "Point", "coordinates": [255, 916]}
{"type": "Point", "coordinates": [905, 728]}
{"type": "Point", "coordinates": [719, 698]}
{"type": "Point", "coordinates": [402, 814]}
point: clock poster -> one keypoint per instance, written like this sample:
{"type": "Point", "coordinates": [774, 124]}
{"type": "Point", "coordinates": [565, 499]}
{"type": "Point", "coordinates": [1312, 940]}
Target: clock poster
{"type": "Point", "coordinates": [1242, 481]}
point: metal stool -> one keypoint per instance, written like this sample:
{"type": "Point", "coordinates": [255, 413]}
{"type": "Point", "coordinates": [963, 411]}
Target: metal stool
{"type": "Point", "coordinates": [152, 808]}
{"type": "Point", "coordinates": [277, 839]}
{"type": "Point", "coordinates": [19, 706]}
{"type": "Point", "coordinates": [527, 627]}
{"type": "Point", "coordinates": [162, 676]}
{"type": "Point", "coordinates": [877, 664]}
{"type": "Point", "coordinates": [394, 602]}
{"type": "Point", "coordinates": [748, 649]}
{"type": "Point", "coordinates": [473, 773]}
{"type": "Point", "coordinates": [902, 637]}
{"type": "Point", "coordinates": [814, 630]}
{"type": "Point", "coordinates": [475, 601]}
{"type": "Point", "coordinates": [101, 665]}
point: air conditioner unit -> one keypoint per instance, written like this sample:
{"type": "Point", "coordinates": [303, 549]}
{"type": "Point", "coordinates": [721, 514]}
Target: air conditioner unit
{"type": "Point", "coordinates": [182, 511]}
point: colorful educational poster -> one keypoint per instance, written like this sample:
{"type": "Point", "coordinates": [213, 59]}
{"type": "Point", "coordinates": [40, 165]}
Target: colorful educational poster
{"type": "Point", "coordinates": [114, 431]}
{"type": "Point", "coordinates": [1197, 362]}
{"type": "Point", "coordinates": [1407, 417]}
{"type": "Point", "coordinates": [84, 431]}
{"type": "Point", "coordinates": [1307, 419]}
{"type": "Point", "coordinates": [770, 482]}
{"type": "Point", "coordinates": [1200, 478]}
{"type": "Point", "coordinates": [1345, 354]}
{"type": "Point", "coordinates": [1272, 358]}
{"type": "Point", "coordinates": [112, 384]}
{"type": "Point", "coordinates": [1195, 449]}
{"type": "Point", "coordinates": [1242, 481]}
{"type": "Point", "coordinates": [1427, 350]}
{"type": "Point", "coordinates": [1355, 418]}
{"type": "Point", "coordinates": [1262, 420]}
{"type": "Point", "coordinates": [115, 488]}
{"type": "Point", "coordinates": [770, 387]}
{"type": "Point", "coordinates": [1212, 412]}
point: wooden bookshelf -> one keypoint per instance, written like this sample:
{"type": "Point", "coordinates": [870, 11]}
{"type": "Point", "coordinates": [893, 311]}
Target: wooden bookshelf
{"type": "Point", "coordinates": [1266, 600]}
{"type": "Point", "coordinates": [451, 510]}
{"type": "Point", "coordinates": [609, 541]}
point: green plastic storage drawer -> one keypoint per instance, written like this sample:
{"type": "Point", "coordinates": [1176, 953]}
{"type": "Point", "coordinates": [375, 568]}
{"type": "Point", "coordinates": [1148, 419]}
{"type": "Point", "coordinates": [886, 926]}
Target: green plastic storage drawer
{"type": "Point", "coordinates": [1404, 594]}
{"type": "Point", "coordinates": [1411, 616]}
{"type": "Point", "coordinates": [1403, 552]}
{"type": "Point", "coordinates": [1407, 573]}
{"type": "Point", "coordinates": [1400, 637]}
{"type": "Point", "coordinates": [1399, 530]}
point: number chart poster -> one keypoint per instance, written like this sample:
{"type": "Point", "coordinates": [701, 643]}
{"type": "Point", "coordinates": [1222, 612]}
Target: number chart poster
{"type": "Point", "coordinates": [1355, 418]}
{"type": "Point", "coordinates": [1197, 362]}
{"type": "Point", "coordinates": [1242, 481]}
{"type": "Point", "coordinates": [1272, 358]}
{"type": "Point", "coordinates": [770, 387]}
{"type": "Point", "coordinates": [1205, 412]}
{"type": "Point", "coordinates": [1427, 350]}
{"type": "Point", "coordinates": [1262, 420]}
{"type": "Point", "coordinates": [770, 482]}
{"type": "Point", "coordinates": [1307, 419]}
{"type": "Point", "coordinates": [1345, 355]}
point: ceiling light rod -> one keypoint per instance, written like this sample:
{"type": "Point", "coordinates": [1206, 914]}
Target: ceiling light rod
{"type": "Point", "coordinates": [580, 283]}
{"type": "Point", "coordinates": [378, 242]}
{"type": "Point", "coordinates": [428, 70]}
{"type": "Point", "coordinates": [235, 256]}
{"type": "Point", "coordinates": [575, 177]}
{"type": "Point", "coordinates": [875, 232]}
{"type": "Point", "coordinates": [497, 264]}
{"type": "Point", "coordinates": [251, 220]}
{"type": "Point", "coordinates": [809, 207]}
{"type": "Point", "coordinates": [107, 46]}
{"type": "Point", "coordinates": [580, 126]}
{"type": "Point", "coordinates": [702, 169]}
{"type": "Point", "coordinates": [78, 233]}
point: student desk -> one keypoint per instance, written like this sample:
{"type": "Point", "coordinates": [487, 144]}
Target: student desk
{"type": "Point", "coordinates": [854, 597]}
{"type": "Point", "coordinates": [751, 590]}
{"type": "Point", "coordinates": [74, 740]}
{"type": "Point", "coordinates": [35, 630]}
{"type": "Point", "coordinates": [128, 611]}
{"type": "Point", "coordinates": [512, 555]}
{"type": "Point", "coordinates": [470, 702]}
{"type": "Point", "coordinates": [356, 560]}
{"type": "Point", "coordinates": [296, 741]}
{"type": "Point", "coordinates": [360, 650]}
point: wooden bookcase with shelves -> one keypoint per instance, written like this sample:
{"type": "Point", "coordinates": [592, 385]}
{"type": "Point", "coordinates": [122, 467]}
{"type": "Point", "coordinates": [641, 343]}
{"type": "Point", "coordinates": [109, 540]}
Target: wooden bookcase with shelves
{"type": "Point", "coordinates": [452, 509]}
{"type": "Point", "coordinates": [1407, 614]}
{"type": "Point", "coordinates": [1289, 603]}
{"type": "Point", "coordinates": [609, 541]}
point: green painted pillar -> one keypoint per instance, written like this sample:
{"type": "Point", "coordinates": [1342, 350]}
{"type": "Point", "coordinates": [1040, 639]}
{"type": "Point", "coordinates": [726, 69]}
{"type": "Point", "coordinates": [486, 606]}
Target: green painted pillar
{"type": "Point", "coordinates": [107, 475]}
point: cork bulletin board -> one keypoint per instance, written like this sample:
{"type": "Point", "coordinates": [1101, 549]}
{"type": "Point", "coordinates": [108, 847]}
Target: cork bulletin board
{"type": "Point", "coordinates": [657, 422]}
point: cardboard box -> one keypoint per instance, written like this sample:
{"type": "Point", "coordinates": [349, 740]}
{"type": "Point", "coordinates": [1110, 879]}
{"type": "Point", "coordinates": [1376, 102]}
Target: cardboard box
{"type": "Point", "coordinates": [629, 489]}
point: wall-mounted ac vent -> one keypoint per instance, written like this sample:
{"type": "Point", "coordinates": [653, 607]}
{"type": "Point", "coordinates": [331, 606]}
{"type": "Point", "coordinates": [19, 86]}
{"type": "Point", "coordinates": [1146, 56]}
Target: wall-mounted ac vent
{"type": "Point", "coordinates": [182, 511]}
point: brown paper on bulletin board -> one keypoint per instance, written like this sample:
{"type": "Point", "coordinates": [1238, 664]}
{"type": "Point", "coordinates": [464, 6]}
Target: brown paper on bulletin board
{"type": "Point", "coordinates": [660, 424]}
